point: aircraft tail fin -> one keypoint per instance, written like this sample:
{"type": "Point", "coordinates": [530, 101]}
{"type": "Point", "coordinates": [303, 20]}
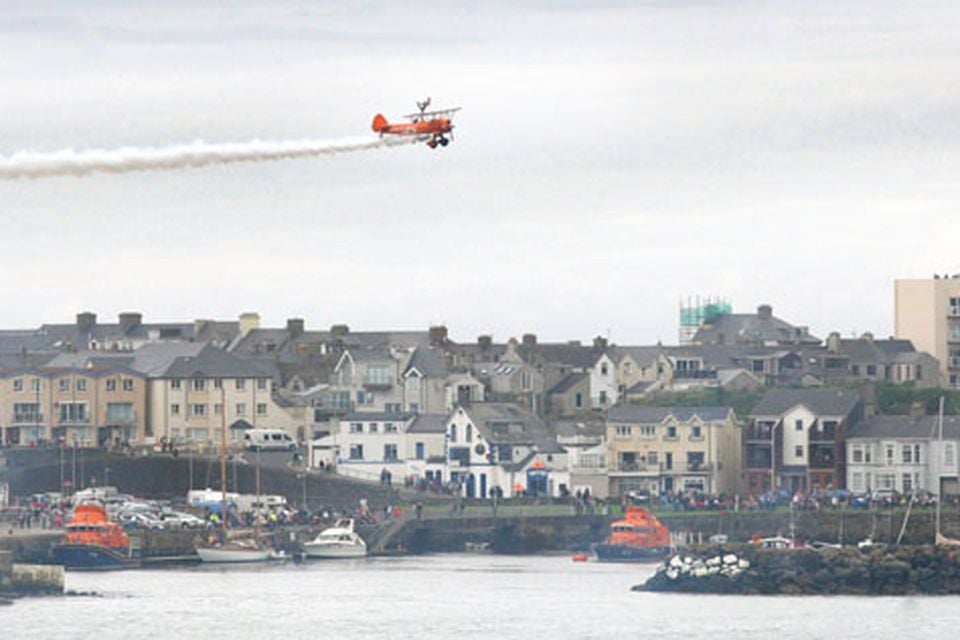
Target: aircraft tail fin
{"type": "Point", "coordinates": [379, 123]}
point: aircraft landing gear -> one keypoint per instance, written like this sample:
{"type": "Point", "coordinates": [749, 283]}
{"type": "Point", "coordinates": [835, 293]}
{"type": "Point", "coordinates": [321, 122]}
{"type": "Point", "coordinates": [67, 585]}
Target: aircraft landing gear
{"type": "Point", "coordinates": [444, 142]}
{"type": "Point", "coordinates": [432, 143]}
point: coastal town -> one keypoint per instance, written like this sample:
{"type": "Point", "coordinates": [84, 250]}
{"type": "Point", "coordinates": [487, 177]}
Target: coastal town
{"type": "Point", "coordinates": [746, 404]}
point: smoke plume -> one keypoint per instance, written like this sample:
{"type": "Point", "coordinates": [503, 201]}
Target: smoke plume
{"type": "Point", "coordinates": [29, 164]}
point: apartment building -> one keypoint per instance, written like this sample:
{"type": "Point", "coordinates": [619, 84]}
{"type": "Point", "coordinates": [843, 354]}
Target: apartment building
{"type": "Point", "coordinates": [927, 312]}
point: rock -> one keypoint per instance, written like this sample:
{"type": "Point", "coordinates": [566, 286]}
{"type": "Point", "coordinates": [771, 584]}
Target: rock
{"type": "Point", "coordinates": [729, 559]}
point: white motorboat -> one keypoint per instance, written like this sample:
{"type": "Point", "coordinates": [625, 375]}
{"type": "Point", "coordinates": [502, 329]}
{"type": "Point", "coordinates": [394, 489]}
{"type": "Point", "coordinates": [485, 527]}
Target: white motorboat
{"type": "Point", "coordinates": [339, 541]}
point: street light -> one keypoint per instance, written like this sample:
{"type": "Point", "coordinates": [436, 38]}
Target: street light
{"type": "Point", "coordinates": [773, 457]}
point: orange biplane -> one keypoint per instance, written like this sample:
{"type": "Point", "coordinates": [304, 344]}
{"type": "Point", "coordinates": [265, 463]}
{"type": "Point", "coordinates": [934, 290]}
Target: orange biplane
{"type": "Point", "coordinates": [432, 126]}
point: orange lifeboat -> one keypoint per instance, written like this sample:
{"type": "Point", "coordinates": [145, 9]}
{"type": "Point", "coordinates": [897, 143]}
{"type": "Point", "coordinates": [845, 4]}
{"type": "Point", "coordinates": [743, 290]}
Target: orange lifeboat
{"type": "Point", "coordinates": [93, 541]}
{"type": "Point", "coordinates": [639, 536]}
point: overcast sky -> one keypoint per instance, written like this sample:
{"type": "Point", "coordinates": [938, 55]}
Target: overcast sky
{"type": "Point", "coordinates": [607, 163]}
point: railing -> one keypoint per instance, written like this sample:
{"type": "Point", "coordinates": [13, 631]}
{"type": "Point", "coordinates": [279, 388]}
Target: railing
{"type": "Point", "coordinates": [823, 436]}
{"type": "Point", "coordinates": [694, 374]}
{"type": "Point", "coordinates": [377, 386]}
{"type": "Point", "coordinates": [700, 467]}
{"type": "Point", "coordinates": [27, 418]}
{"type": "Point", "coordinates": [639, 467]}
{"type": "Point", "coordinates": [759, 434]}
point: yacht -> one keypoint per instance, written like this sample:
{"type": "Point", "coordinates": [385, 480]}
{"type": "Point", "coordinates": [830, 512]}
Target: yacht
{"type": "Point", "coordinates": [339, 541]}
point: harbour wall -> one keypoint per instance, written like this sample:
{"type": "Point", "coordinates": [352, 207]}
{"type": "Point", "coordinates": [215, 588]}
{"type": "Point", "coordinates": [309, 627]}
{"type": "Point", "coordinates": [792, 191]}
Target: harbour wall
{"type": "Point", "coordinates": [904, 570]}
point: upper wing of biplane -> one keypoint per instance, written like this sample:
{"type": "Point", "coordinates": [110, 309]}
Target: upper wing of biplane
{"type": "Point", "coordinates": [431, 115]}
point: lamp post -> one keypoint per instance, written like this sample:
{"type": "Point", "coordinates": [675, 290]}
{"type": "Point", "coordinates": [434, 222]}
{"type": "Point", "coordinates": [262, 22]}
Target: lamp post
{"type": "Point", "coordinates": [773, 457]}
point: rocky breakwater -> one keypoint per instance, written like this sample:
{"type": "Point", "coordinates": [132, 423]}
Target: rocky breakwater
{"type": "Point", "coordinates": [751, 570]}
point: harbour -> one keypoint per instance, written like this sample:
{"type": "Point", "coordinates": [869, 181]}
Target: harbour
{"type": "Point", "coordinates": [468, 595]}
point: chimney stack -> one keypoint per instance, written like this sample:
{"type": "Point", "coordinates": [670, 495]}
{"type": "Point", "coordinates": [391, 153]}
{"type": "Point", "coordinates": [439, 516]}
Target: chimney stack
{"type": "Point", "coordinates": [295, 327]}
{"type": "Point", "coordinates": [339, 330]}
{"type": "Point", "coordinates": [129, 320]}
{"type": "Point", "coordinates": [764, 312]}
{"type": "Point", "coordinates": [86, 320]}
{"type": "Point", "coordinates": [599, 342]}
{"type": "Point", "coordinates": [529, 339]}
{"type": "Point", "coordinates": [438, 335]}
{"type": "Point", "coordinates": [485, 342]}
{"type": "Point", "coordinates": [248, 322]}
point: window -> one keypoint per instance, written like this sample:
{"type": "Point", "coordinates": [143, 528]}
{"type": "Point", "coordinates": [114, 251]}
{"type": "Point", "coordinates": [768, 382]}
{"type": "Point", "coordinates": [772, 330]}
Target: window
{"type": "Point", "coordinates": [907, 483]}
{"type": "Point", "coordinates": [74, 412]}
{"type": "Point", "coordinates": [356, 452]}
{"type": "Point", "coordinates": [525, 380]}
{"type": "Point", "coordinates": [648, 431]}
{"type": "Point", "coordinates": [420, 451]}
{"type": "Point", "coordinates": [27, 412]}
{"type": "Point", "coordinates": [955, 306]}
{"type": "Point", "coordinates": [35, 385]}
{"type": "Point", "coordinates": [623, 431]}
{"type": "Point", "coordinates": [798, 451]}
{"type": "Point", "coordinates": [906, 452]}
{"type": "Point", "coordinates": [241, 409]}
{"type": "Point", "coordinates": [240, 384]}
{"type": "Point", "coordinates": [603, 398]}
{"type": "Point", "coordinates": [389, 427]}
{"type": "Point", "coordinates": [857, 482]}
{"type": "Point", "coordinates": [218, 409]}
{"type": "Point", "coordinates": [671, 432]}
{"type": "Point", "coordinates": [120, 412]}
{"type": "Point", "coordinates": [652, 457]}
{"type": "Point", "coordinates": [18, 384]}
{"type": "Point", "coordinates": [218, 383]}
{"type": "Point", "coordinates": [199, 384]}
{"type": "Point", "coordinates": [916, 453]}
{"type": "Point", "coordinates": [469, 436]}
{"type": "Point", "coordinates": [175, 409]}
{"type": "Point", "coordinates": [871, 370]}
{"type": "Point", "coordinates": [855, 370]}
{"type": "Point", "coordinates": [356, 427]}
{"type": "Point", "coordinates": [174, 384]}
{"type": "Point", "coordinates": [578, 400]}
{"type": "Point", "coordinates": [262, 383]}
{"type": "Point", "coordinates": [889, 455]}
{"type": "Point", "coordinates": [261, 408]}
{"type": "Point", "coordinates": [696, 432]}
{"type": "Point", "coordinates": [414, 407]}
{"type": "Point", "coordinates": [885, 480]}
{"type": "Point", "coordinates": [393, 407]}
{"type": "Point", "coordinates": [377, 374]}
{"type": "Point", "coordinates": [453, 432]}
{"type": "Point", "coordinates": [798, 425]}
{"type": "Point", "coordinates": [364, 397]}
{"type": "Point", "coordinates": [856, 454]}
{"type": "Point", "coordinates": [757, 366]}
{"type": "Point", "coordinates": [81, 384]}
{"type": "Point", "coordinates": [948, 454]}
{"type": "Point", "coordinates": [128, 384]}
{"type": "Point", "coordinates": [65, 384]}
{"type": "Point", "coordinates": [373, 427]}
{"type": "Point", "coordinates": [198, 410]}
{"type": "Point", "coordinates": [389, 452]}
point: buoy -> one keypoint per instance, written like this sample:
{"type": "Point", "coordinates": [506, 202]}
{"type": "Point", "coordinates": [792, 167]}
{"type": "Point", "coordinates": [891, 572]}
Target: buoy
{"type": "Point", "coordinates": [580, 557]}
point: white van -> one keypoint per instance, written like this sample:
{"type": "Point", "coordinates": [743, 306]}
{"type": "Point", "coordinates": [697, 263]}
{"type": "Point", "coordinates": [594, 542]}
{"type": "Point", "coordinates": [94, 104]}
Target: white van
{"type": "Point", "coordinates": [268, 440]}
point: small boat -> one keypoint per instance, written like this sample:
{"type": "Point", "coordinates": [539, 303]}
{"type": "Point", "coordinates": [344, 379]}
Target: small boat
{"type": "Point", "coordinates": [94, 541]}
{"type": "Point", "coordinates": [638, 537]}
{"type": "Point", "coordinates": [339, 541]}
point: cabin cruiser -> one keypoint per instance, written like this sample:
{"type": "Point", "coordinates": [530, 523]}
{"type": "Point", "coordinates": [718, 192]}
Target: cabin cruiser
{"type": "Point", "coordinates": [339, 541]}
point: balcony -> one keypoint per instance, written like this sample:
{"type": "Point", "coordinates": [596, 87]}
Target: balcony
{"type": "Point", "coordinates": [699, 467]}
{"type": "Point", "coordinates": [76, 420]}
{"type": "Point", "coordinates": [625, 467]}
{"type": "Point", "coordinates": [694, 374]}
{"type": "Point", "coordinates": [27, 418]}
{"type": "Point", "coordinates": [758, 433]}
{"type": "Point", "coordinates": [826, 435]}
{"type": "Point", "coordinates": [369, 385]}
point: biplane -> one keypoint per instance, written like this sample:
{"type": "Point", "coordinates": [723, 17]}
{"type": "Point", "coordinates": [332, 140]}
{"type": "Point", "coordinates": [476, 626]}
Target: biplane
{"type": "Point", "coordinates": [435, 127]}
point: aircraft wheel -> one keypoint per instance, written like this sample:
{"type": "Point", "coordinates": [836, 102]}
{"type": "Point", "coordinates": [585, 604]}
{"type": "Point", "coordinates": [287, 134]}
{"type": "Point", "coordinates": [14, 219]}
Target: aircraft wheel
{"type": "Point", "coordinates": [432, 144]}
{"type": "Point", "coordinates": [444, 141]}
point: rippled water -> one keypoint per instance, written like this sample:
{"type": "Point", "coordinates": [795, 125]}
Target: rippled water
{"type": "Point", "coordinates": [449, 595]}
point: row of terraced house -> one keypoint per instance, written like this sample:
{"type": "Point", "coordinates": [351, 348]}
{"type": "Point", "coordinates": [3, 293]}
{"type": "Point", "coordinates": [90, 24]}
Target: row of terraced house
{"type": "Point", "coordinates": [514, 416]}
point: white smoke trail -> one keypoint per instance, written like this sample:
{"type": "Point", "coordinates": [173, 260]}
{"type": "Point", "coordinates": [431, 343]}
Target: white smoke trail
{"type": "Point", "coordinates": [29, 164]}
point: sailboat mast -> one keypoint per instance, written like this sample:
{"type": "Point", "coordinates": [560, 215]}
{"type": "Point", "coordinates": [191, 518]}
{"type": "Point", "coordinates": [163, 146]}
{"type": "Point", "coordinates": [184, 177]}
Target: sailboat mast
{"type": "Point", "coordinates": [223, 461]}
{"type": "Point", "coordinates": [936, 538]}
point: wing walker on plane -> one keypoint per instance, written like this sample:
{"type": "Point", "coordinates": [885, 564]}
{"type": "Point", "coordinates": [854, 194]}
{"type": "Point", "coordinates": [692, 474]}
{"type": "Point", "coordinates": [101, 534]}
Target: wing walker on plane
{"type": "Point", "coordinates": [434, 127]}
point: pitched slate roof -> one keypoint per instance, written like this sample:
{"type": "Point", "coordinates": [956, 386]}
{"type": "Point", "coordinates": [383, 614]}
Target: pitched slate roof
{"type": "Point", "coordinates": [428, 362]}
{"type": "Point", "coordinates": [651, 415]}
{"type": "Point", "coordinates": [494, 418]}
{"type": "Point", "coordinates": [568, 382]}
{"type": "Point", "coordinates": [824, 402]}
{"type": "Point", "coordinates": [211, 362]}
{"type": "Point", "coordinates": [732, 328]}
{"type": "Point", "coordinates": [905, 427]}
{"type": "Point", "coordinates": [429, 423]}
{"type": "Point", "coordinates": [377, 416]}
